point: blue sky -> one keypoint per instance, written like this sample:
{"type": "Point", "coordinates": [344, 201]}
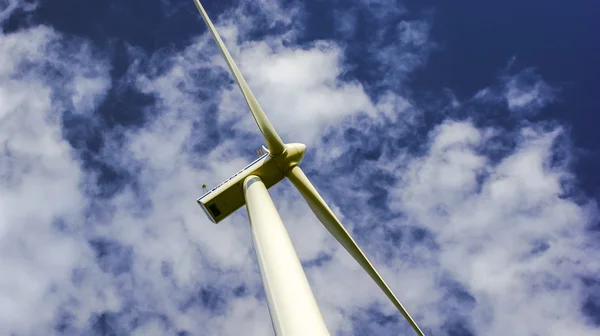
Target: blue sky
{"type": "Point", "coordinates": [456, 141]}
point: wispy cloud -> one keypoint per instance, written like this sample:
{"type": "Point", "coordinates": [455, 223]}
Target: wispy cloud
{"type": "Point", "coordinates": [527, 92]}
{"type": "Point", "coordinates": [524, 93]}
{"type": "Point", "coordinates": [9, 7]}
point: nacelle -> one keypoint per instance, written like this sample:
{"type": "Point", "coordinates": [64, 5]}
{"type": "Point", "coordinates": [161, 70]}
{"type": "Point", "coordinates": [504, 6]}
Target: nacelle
{"type": "Point", "coordinates": [228, 196]}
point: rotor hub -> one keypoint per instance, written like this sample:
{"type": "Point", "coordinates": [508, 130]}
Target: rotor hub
{"type": "Point", "coordinates": [291, 157]}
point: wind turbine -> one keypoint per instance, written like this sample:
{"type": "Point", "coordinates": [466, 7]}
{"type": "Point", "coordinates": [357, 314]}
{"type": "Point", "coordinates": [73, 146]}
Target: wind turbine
{"type": "Point", "coordinates": [292, 305]}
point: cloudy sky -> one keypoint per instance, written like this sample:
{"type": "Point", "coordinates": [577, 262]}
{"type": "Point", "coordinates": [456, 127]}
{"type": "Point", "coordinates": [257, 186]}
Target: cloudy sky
{"type": "Point", "coordinates": [456, 141]}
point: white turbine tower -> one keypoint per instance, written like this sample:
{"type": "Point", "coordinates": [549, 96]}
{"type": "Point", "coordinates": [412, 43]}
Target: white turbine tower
{"type": "Point", "coordinates": [292, 305]}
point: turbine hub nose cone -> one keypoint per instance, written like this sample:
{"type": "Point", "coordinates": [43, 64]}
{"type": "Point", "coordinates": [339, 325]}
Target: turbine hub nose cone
{"type": "Point", "coordinates": [300, 148]}
{"type": "Point", "coordinates": [294, 152]}
{"type": "Point", "coordinates": [296, 149]}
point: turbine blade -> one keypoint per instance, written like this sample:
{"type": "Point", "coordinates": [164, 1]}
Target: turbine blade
{"type": "Point", "coordinates": [330, 221]}
{"type": "Point", "coordinates": [276, 146]}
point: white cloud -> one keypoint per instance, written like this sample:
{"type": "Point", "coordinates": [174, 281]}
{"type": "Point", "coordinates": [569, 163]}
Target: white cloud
{"type": "Point", "coordinates": [407, 50]}
{"type": "Point", "coordinates": [505, 230]}
{"type": "Point", "coordinates": [524, 93]}
{"type": "Point", "coordinates": [383, 9]}
{"type": "Point", "coordinates": [8, 7]}
{"type": "Point", "coordinates": [527, 92]}
{"type": "Point", "coordinates": [300, 89]}
{"type": "Point", "coordinates": [39, 175]}
{"type": "Point", "coordinates": [413, 32]}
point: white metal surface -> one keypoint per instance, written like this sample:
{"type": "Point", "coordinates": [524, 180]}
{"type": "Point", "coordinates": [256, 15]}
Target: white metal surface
{"type": "Point", "coordinates": [292, 305]}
